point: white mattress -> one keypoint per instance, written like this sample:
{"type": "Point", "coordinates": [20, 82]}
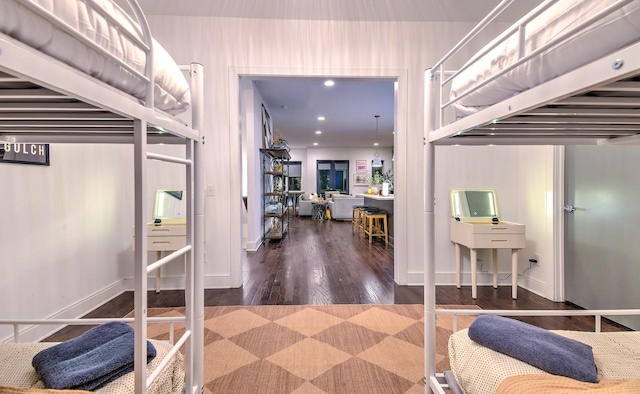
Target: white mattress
{"type": "Point", "coordinates": [615, 31]}
{"type": "Point", "coordinates": [171, 90]}
{"type": "Point", "coordinates": [16, 370]}
{"type": "Point", "coordinates": [480, 370]}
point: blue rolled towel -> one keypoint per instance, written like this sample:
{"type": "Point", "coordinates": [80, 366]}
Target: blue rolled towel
{"type": "Point", "coordinates": [91, 360]}
{"type": "Point", "coordinates": [541, 348]}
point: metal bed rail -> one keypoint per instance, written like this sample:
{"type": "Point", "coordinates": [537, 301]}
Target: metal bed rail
{"type": "Point", "coordinates": [445, 77]}
{"type": "Point", "coordinates": [598, 314]}
{"type": "Point", "coordinates": [17, 323]}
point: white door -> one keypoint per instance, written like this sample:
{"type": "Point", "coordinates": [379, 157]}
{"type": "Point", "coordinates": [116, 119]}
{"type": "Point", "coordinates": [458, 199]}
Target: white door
{"type": "Point", "coordinates": [602, 228]}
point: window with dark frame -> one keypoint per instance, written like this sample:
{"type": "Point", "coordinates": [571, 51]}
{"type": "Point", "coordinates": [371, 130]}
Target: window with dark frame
{"type": "Point", "coordinates": [295, 176]}
{"type": "Point", "coordinates": [332, 175]}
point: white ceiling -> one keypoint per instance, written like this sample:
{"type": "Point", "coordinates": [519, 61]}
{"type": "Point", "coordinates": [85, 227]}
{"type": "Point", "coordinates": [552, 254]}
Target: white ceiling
{"type": "Point", "coordinates": [349, 10]}
{"type": "Point", "coordinates": [350, 105]}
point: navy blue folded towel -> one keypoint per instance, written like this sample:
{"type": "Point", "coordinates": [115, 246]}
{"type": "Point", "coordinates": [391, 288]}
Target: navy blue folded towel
{"type": "Point", "coordinates": [541, 348]}
{"type": "Point", "coordinates": [91, 360]}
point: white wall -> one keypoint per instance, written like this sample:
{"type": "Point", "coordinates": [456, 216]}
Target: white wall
{"type": "Point", "coordinates": [523, 179]}
{"type": "Point", "coordinates": [252, 103]}
{"type": "Point", "coordinates": [66, 234]}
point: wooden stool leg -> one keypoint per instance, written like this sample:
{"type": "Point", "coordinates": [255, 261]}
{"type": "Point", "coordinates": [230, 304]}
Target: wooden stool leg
{"type": "Point", "coordinates": [365, 221]}
{"type": "Point", "coordinates": [386, 232]}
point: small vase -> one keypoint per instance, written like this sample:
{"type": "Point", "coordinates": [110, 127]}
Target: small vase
{"type": "Point", "coordinates": [385, 189]}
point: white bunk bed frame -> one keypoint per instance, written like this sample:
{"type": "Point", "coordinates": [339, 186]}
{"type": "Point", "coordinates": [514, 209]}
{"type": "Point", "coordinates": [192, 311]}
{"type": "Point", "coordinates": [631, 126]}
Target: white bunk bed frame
{"type": "Point", "coordinates": [554, 113]}
{"type": "Point", "coordinates": [64, 105]}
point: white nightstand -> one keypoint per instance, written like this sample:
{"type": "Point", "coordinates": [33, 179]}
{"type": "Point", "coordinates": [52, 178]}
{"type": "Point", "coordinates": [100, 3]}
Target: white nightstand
{"type": "Point", "coordinates": [164, 238]}
{"type": "Point", "coordinates": [483, 235]}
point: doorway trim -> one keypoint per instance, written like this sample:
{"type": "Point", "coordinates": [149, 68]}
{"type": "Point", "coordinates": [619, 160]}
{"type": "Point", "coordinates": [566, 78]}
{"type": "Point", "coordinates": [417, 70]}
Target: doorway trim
{"type": "Point", "coordinates": [400, 253]}
{"type": "Point", "coordinates": [558, 223]}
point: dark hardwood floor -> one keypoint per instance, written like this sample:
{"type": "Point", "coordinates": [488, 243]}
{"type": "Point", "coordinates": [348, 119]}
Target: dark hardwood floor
{"type": "Point", "coordinates": [327, 263]}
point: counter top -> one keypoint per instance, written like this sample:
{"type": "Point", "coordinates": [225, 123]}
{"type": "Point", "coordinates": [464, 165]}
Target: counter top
{"type": "Point", "coordinates": [377, 197]}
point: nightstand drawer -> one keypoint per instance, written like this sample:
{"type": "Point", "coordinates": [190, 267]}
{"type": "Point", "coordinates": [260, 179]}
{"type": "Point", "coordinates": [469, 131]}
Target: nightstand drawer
{"type": "Point", "coordinates": [163, 231]}
{"type": "Point", "coordinates": [499, 241]}
{"type": "Point", "coordinates": [500, 228]}
{"type": "Point", "coordinates": [165, 238]}
{"type": "Point", "coordinates": [166, 243]}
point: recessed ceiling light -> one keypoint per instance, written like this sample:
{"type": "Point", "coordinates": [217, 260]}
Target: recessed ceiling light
{"type": "Point", "coordinates": [321, 118]}
{"type": "Point", "coordinates": [375, 144]}
{"type": "Point", "coordinates": [318, 131]}
{"type": "Point", "coordinates": [329, 83]}
{"type": "Point", "coordinates": [315, 143]}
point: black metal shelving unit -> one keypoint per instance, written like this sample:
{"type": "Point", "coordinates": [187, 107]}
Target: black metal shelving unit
{"type": "Point", "coordinates": [275, 211]}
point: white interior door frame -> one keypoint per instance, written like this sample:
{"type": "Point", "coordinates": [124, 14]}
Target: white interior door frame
{"type": "Point", "coordinates": [558, 222]}
{"type": "Point", "coordinates": [400, 148]}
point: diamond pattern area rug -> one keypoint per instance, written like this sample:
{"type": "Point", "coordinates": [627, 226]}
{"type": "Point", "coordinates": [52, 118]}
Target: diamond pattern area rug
{"type": "Point", "coordinates": [315, 348]}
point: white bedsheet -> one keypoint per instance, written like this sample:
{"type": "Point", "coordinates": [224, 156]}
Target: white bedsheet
{"type": "Point", "coordinates": [615, 31]}
{"type": "Point", "coordinates": [480, 370]}
{"type": "Point", "coordinates": [171, 90]}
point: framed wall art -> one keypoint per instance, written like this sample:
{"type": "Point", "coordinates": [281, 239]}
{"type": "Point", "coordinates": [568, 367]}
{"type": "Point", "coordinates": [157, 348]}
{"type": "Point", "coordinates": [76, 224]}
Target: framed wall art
{"type": "Point", "coordinates": [266, 128]}
{"type": "Point", "coordinates": [361, 166]}
{"type": "Point", "coordinates": [19, 153]}
{"type": "Point", "coordinates": [360, 180]}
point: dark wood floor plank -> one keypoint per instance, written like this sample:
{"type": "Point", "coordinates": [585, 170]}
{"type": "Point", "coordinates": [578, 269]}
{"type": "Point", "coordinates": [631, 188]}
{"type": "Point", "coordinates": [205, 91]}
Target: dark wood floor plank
{"type": "Point", "coordinates": [328, 263]}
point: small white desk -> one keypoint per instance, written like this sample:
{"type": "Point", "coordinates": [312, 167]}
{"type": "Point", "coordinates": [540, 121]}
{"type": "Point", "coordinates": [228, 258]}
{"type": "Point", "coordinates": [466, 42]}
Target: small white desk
{"type": "Point", "coordinates": [486, 235]}
{"type": "Point", "coordinates": [164, 238]}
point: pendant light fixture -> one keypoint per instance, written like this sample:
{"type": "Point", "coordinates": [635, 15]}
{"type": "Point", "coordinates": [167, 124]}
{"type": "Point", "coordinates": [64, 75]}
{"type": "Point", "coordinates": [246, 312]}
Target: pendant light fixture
{"type": "Point", "coordinates": [376, 160]}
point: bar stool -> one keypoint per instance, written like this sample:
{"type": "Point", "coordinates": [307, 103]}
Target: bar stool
{"type": "Point", "coordinates": [356, 216]}
{"type": "Point", "coordinates": [375, 225]}
{"type": "Point", "coordinates": [362, 222]}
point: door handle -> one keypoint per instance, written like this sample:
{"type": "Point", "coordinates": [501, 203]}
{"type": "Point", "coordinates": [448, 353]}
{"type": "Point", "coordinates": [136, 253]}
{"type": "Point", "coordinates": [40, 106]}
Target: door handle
{"type": "Point", "coordinates": [569, 208]}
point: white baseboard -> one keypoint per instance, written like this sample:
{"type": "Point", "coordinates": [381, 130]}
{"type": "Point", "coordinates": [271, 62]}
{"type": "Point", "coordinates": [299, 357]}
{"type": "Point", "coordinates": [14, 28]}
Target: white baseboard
{"type": "Point", "coordinates": [98, 298]}
{"type": "Point", "coordinates": [535, 286]}
{"type": "Point", "coordinates": [415, 279]}
{"type": "Point", "coordinates": [253, 246]}
{"type": "Point", "coordinates": [449, 279]}
{"type": "Point", "coordinates": [73, 311]}
{"type": "Point", "coordinates": [217, 282]}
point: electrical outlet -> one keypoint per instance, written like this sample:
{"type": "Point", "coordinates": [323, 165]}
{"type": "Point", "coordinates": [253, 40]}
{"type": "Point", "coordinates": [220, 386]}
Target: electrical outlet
{"type": "Point", "coordinates": [536, 256]}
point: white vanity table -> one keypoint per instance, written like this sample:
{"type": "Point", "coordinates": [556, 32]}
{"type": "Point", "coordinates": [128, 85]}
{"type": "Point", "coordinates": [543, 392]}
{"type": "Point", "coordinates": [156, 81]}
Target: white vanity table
{"type": "Point", "coordinates": [476, 225]}
{"type": "Point", "coordinates": [168, 231]}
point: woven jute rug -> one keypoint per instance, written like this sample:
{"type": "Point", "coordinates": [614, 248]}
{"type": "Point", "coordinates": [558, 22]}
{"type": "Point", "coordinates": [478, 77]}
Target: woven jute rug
{"type": "Point", "coordinates": [315, 348]}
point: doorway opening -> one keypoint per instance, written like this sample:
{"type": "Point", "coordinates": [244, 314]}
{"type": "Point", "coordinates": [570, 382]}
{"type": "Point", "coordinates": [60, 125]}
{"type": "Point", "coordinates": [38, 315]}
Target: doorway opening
{"type": "Point", "coordinates": [243, 83]}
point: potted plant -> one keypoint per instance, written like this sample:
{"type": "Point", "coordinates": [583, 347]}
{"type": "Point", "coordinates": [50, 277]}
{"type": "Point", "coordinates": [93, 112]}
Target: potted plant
{"type": "Point", "coordinates": [374, 181]}
{"type": "Point", "coordinates": [387, 178]}
{"type": "Point", "coordinates": [279, 142]}
{"type": "Point", "coordinates": [378, 180]}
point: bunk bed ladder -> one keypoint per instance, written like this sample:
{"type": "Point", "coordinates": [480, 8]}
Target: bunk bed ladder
{"type": "Point", "coordinates": [194, 300]}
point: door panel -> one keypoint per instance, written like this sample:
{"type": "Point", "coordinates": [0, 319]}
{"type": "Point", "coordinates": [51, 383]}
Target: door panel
{"type": "Point", "coordinates": [602, 263]}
